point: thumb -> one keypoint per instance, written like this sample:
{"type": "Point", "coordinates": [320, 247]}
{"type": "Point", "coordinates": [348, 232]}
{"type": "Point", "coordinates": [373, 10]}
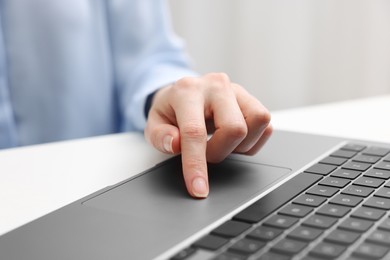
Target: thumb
{"type": "Point", "coordinates": [164, 137]}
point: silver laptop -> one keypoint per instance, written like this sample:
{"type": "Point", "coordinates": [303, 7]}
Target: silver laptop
{"type": "Point", "coordinates": [302, 197]}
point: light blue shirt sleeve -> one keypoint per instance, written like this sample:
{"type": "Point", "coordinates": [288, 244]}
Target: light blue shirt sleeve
{"type": "Point", "coordinates": [72, 69]}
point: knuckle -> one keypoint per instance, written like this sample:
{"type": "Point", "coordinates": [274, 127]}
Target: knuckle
{"type": "Point", "coordinates": [194, 131]}
{"type": "Point", "coordinates": [258, 119]}
{"type": "Point", "coordinates": [185, 83]}
{"type": "Point", "coordinates": [219, 79]}
{"type": "Point", "coordinates": [237, 131]}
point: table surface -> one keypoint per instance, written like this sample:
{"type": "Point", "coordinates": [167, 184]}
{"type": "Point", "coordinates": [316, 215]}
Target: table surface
{"type": "Point", "coordinates": [36, 180]}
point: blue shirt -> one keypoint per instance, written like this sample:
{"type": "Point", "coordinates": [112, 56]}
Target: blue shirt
{"type": "Point", "coordinates": [78, 68]}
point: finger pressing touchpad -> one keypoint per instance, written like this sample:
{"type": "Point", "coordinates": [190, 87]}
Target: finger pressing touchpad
{"type": "Point", "coordinates": [159, 195]}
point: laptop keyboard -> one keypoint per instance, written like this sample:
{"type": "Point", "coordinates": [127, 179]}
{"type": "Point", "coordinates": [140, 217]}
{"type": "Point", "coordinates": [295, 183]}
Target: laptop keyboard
{"type": "Point", "coordinates": [336, 209]}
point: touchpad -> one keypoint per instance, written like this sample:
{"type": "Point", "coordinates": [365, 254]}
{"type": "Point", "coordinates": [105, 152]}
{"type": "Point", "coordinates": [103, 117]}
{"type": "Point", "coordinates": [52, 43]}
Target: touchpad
{"type": "Point", "coordinates": [159, 195]}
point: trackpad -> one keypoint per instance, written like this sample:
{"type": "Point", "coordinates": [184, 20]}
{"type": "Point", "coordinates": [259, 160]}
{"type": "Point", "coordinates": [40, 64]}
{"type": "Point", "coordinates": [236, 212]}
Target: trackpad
{"type": "Point", "coordinates": [159, 196]}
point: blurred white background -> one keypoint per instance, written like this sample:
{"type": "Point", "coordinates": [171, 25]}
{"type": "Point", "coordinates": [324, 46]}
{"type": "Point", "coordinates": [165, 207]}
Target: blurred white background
{"type": "Point", "coordinates": [291, 53]}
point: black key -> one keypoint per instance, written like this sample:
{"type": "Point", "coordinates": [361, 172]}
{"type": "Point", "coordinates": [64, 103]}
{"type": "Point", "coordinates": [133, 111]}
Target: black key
{"type": "Point", "coordinates": [379, 237]}
{"type": "Point", "coordinates": [368, 182]}
{"type": "Point", "coordinates": [289, 246]}
{"type": "Point", "coordinates": [334, 182]}
{"type": "Point", "coordinates": [378, 173]}
{"type": "Point", "coordinates": [353, 147]}
{"type": "Point", "coordinates": [378, 202]}
{"type": "Point", "coordinates": [368, 213]}
{"type": "Point", "coordinates": [345, 173]}
{"type": "Point", "coordinates": [184, 254]}
{"type": "Point", "coordinates": [356, 166]}
{"type": "Point", "coordinates": [370, 251]}
{"type": "Point", "coordinates": [366, 158]}
{"type": "Point", "coordinates": [277, 198]}
{"type": "Point", "coordinates": [382, 165]}
{"type": "Point", "coordinates": [346, 200]}
{"type": "Point", "coordinates": [280, 221]}
{"type": "Point", "coordinates": [318, 221]}
{"type": "Point", "coordinates": [344, 154]}
{"type": "Point", "coordinates": [295, 210]}
{"type": "Point", "coordinates": [383, 192]}
{"type": "Point", "coordinates": [385, 224]}
{"type": "Point", "coordinates": [323, 191]}
{"type": "Point", "coordinates": [305, 233]}
{"type": "Point", "coordinates": [231, 228]}
{"type": "Point", "coordinates": [230, 256]}
{"type": "Point", "coordinates": [327, 250]}
{"type": "Point", "coordinates": [377, 151]}
{"type": "Point", "coordinates": [309, 200]}
{"type": "Point", "coordinates": [342, 237]}
{"type": "Point", "coordinates": [357, 191]}
{"type": "Point", "coordinates": [356, 225]}
{"type": "Point", "coordinates": [333, 210]}
{"type": "Point", "coordinates": [333, 160]}
{"type": "Point", "coordinates": [265, 233]}
{"type": "Point", "coordinates": [273, 256]}
{"type": "Point", "coordinates": [322, 169]}
{"type": "Point", "coordinates": [211, 242]}
{"type": "Point", "coordinates": [247, 246]}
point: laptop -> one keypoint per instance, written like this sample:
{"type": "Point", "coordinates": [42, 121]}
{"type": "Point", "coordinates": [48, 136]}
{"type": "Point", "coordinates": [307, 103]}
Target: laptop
{"type": "Point", "coordinates": [301, 197]}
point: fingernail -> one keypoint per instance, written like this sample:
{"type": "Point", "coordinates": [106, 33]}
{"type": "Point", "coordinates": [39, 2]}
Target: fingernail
{"type": "Point", "coordinates": [167, 143]}
{"type": "Point", "coordinates": [199, 188]}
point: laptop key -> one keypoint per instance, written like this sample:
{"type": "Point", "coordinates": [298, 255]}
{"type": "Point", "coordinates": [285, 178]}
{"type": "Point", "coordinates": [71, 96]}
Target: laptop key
{"type": "Point", "coordinates": [322, 169]}
{"type": "Point", "coordinates": [382, 165]}
{"type": "Point", "coordinates": [334, 182]}
{"type": "Point", "coordinates": [368, 182]}
{"type": "Point", "coordinates": [378, 173]}
{"type": "Point", "coordinates": [366, 158]}
{"type": "Point", "coordinates": [358, 166]}
{"type": "Point", "coordinates": [383, 192]}
{"type": "Point", "coordinates": [345, 173]}
{"type": "Point", "coordinates": [280, 221]}
{"type": "Point", "coordinates": [289, 246]}
{"type": "Point", "coordinates": [333, 210]}
{"type": "Point", "coordinates": [344, 237]}
{"type": "Point", "coordinates": [356, 225]}
{"type": "Point", "coordinates": [265, 233]}
{"type": "Point", "coordinates": [353, 147]}
{"type": "Point", "coordinates": [318, 221]}
{"type": "Point", "coordinates": [333, 160]}
{"type": "Point", "coordinates": [376, 151]}
{"type": "Point", "coordinates": [231, 228]}
{"type": "Point", "coordinates": [368, 213]}
{"type": "Point", "coordinates": [346, 200]}
{"type": "Point", "coordinates": [211, 242]}
{"type": "Point", "coordinates": [370, 251]}
{"type": "Point", "coordinates": [247, 246]}
{"type": "Point", "coordinates": [295, 210]}
{"type": "Point", "coordinates": [358, 191]}
{"type": "Point", "coordinates": [323, 191]}
{"type": "Point", "coordinates": [379, 237]}
{"type": "Point", "coordinates": [277, 198]}
{"type": "Point", "coordinates": [344, 154]}
{"type": "Point", "coordinates": [377, 202]}
{"type": "Point", "coordinates": [309, 200]}
{"type": "Point", "coordinates": [327, 250]}
{"type": "Point", "coordinates": [305, 233]}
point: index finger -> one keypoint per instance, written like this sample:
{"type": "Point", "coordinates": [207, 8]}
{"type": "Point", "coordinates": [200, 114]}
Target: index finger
{"type": "Point", "coordinates": [190, 118]}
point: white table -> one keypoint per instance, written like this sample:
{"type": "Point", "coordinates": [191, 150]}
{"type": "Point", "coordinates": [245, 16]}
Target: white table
{"type": "Point", "coordinates": [36, 180]}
